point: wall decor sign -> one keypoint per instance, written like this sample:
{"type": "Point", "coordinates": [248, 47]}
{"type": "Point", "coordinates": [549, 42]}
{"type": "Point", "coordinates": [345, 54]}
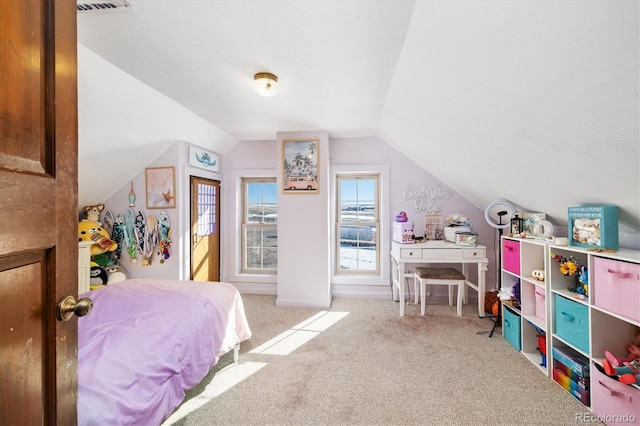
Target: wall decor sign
{"type": "Point", "coordinates": [300, 166]}
{"type": "Point", "coordinates": [425, 197]}
{"type": "Point", "coordinates": [161, 187]}
{"type": "Point", "coordinates": [594, 226]}
{"type": "Point", "coordinates": [198, 157]}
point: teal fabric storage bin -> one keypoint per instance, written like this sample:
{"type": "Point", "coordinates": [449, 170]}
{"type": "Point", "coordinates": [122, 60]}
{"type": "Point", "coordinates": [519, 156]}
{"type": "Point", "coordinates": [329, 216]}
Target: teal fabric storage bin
{"type": "Point", "coordinates": [511, 327]}
{"type": "Point", "coordinates": [572, 322]}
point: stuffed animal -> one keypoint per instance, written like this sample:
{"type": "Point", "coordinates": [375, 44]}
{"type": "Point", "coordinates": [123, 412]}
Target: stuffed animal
{"type": "Point", "coordinates": [92, 231]}
{"type": "Point", "coordinates": [628, 373]}
{"type": "Point", "coordinates": [93, 213]}
{"type": "Point", "coordinates": [115, 274]}
{"type": "Point", "coordinates": [97, 277]}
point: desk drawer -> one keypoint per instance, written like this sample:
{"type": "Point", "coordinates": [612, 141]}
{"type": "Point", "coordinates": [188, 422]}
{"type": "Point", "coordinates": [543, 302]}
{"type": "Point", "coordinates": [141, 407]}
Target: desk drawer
{"type": "Point", "coordinates": [407, 252]}
{"type": "Point", "coordinates": [446, 254]}
{"type": "Point", "coordinates": [474, 253]}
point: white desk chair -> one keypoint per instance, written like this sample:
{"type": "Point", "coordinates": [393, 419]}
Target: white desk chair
{"type": "Point", "coordinates": [438, 276]}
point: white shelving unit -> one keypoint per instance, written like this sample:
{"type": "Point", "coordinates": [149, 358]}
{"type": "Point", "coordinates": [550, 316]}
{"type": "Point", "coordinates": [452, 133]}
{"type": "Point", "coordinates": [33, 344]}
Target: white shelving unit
{"type": "Point", "coordinates": [584, 327]}
{"type": "Point", "coordinates": [84, 265]}
{"type": "Point", "coordinates": [520, 258]}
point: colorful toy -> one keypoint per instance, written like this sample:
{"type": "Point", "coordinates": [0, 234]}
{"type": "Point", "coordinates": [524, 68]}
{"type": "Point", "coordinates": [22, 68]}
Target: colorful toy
{"type": "Point", "coordinates": [401, 217]}
{"type": "Point", "coordinates": [628, 373]}
{"type": "Point", "coordinates": [93, 213]}
{"type": "Point", "coordinates": [633, 348]}
{"type": "Point", "coordinates": [538, 274]}
{"type": "Point", "coordinates": [97, 277]}
{"type": "Point", "coordinates": [92, 231]}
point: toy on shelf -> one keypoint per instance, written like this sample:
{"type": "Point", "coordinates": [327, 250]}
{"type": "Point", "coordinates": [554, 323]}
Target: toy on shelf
{"type": "Point", "coordinates": [510, 295]}
{"type": "Point", "coordinates": [628, 373]}
{"type": "Point", "coordinates": [92, 231]}
{"type": "Point", "coordinates": [633, 351]}
{"type": "Point", "coordinates": [402, 217]}
{"type": "Point", "coordinates": [538, 274]}
{"type": "Point", "coordinates": [93, 213]}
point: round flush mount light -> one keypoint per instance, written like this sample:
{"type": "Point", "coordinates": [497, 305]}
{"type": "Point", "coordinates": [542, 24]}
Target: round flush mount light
{"type": "Point", "coordinates": [265, 83]}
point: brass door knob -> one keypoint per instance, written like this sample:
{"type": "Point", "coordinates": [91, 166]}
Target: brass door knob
{"type": "Point", "coordinates": [68, 306]}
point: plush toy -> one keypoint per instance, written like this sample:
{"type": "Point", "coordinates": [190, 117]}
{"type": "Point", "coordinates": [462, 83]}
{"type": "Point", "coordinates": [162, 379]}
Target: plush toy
{"type": "Point", "coordinates": [97, 277]}
{"type": "Point", "coordinates": [115, 274]}
{"type": "Point", "coordinates": [93, 213]}
{"type": "Point", "coordinates": [92, 231]}
{"type": "Point", "coordinates": [628, 373]}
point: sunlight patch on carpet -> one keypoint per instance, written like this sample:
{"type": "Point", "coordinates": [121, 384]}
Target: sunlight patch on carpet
{"type": "Point", "coordinates": [298, 335]}
{"type": "Point", "coordinates": [224, 380]}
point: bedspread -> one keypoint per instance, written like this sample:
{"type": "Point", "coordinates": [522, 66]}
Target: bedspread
{"type": "Point", "coordinates": [148, 341]}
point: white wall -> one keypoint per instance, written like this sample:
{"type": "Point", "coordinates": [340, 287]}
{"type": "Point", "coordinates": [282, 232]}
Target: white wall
{"type": "Point", "coordinates": [304, 254]}
{"type": "Point", "coordinates": [261, 158]}
{"type": "Point", "coordinates": [123, 125]}
{"type": "Point", "coordinates": [178, 264]}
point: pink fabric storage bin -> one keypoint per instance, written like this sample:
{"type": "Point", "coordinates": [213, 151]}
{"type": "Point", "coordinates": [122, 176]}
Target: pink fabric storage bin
{"type": "Point", "coordinates": [541, 307]}
{"type": "Point", "coordinates": [614, 401]}
{"type": "Point", "coordinates": [616, 287]}
{"type": "Point", "coordinates": [511, 256]}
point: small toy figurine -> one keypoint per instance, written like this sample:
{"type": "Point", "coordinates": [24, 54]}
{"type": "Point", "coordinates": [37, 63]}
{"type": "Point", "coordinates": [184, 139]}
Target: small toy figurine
{"type": "Point", "coordinates": [628, 373]}
{"type": "Point", "coordinates": [402, 217]}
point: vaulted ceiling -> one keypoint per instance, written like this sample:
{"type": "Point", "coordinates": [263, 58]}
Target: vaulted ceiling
{"type": "Point", "coordinates": [536, 102]}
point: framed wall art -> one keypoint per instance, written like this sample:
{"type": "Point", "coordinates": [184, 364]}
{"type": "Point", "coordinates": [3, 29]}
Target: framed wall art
{"type": "Point", "coordinates": [300, 166]}
{"type": "Point", "coordinates": [198, 157]}
{"type": "Point", "coordinates": [160, 185]}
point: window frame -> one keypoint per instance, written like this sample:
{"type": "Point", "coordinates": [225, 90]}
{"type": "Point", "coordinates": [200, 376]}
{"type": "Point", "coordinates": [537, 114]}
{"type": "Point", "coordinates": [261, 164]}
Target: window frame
{"type": "Point", "coordinates": [245, 225]}
{"type": "Point", "coordinates": [374, 224]}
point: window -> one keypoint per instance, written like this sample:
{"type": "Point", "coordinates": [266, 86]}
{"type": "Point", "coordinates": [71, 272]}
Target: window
{"type": "Point", "coordinates": [259, 225]}
{"type": "Point", "coordinates": [358, 223]}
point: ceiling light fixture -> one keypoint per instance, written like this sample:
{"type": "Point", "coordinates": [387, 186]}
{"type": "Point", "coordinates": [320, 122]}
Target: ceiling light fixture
{"type": "Point", "coordinates": [265, 83]}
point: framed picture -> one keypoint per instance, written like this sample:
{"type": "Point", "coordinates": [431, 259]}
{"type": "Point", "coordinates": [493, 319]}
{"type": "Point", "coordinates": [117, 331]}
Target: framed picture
{"type": "Point", "coordinates": [198, 157]}
{"type": "Point", "coordinates": [160, 185]}
{"type": "Point", "coordinates": [300, 166]}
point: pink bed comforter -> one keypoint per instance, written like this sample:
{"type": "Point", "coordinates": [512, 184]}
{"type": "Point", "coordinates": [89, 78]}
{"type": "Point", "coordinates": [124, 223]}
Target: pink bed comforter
{"type": "Point", "coordinates": [148, 341]}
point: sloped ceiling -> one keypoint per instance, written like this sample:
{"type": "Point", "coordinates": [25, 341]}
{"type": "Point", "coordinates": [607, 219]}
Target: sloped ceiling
{"type": "Point", "coordinates": [535, 102]}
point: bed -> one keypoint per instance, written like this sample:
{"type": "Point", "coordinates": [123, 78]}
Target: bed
{"type": "Point", "coordinates": [148, 341]}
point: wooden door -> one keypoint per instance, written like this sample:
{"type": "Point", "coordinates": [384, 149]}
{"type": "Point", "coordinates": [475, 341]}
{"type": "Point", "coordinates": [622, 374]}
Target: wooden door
{"type": "Point", "coordinates": [38, 211]}
{"type": "Point", "coordinates": [205, 229]}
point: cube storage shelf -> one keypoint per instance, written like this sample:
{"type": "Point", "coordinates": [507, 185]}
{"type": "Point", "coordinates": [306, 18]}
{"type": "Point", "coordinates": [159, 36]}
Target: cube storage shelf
{"type": "Point", "coordinates": [564, 335]}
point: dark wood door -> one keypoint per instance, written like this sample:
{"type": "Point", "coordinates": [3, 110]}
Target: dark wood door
{"type": "Point", "coordinates": [205, 229]}
{"type": "Point", "coordinates": [38, 211]}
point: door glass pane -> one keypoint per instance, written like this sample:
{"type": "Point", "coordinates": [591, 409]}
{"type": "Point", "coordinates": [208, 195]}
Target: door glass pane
{"type": "Point", "coordinates": [206, 209]}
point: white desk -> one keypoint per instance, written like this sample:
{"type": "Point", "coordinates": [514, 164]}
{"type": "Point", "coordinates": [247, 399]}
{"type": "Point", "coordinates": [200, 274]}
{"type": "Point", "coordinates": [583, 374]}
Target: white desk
{"type": "Point", "coordinates": [438, 252]}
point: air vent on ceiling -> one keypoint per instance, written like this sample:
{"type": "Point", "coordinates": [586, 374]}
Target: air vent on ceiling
{"type": "Point", "coordinates": [92, 6]}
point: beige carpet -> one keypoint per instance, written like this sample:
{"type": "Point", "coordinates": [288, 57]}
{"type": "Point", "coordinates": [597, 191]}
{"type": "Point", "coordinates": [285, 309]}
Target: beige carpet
{"type": "Point", "coordinates": [373, 367]}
